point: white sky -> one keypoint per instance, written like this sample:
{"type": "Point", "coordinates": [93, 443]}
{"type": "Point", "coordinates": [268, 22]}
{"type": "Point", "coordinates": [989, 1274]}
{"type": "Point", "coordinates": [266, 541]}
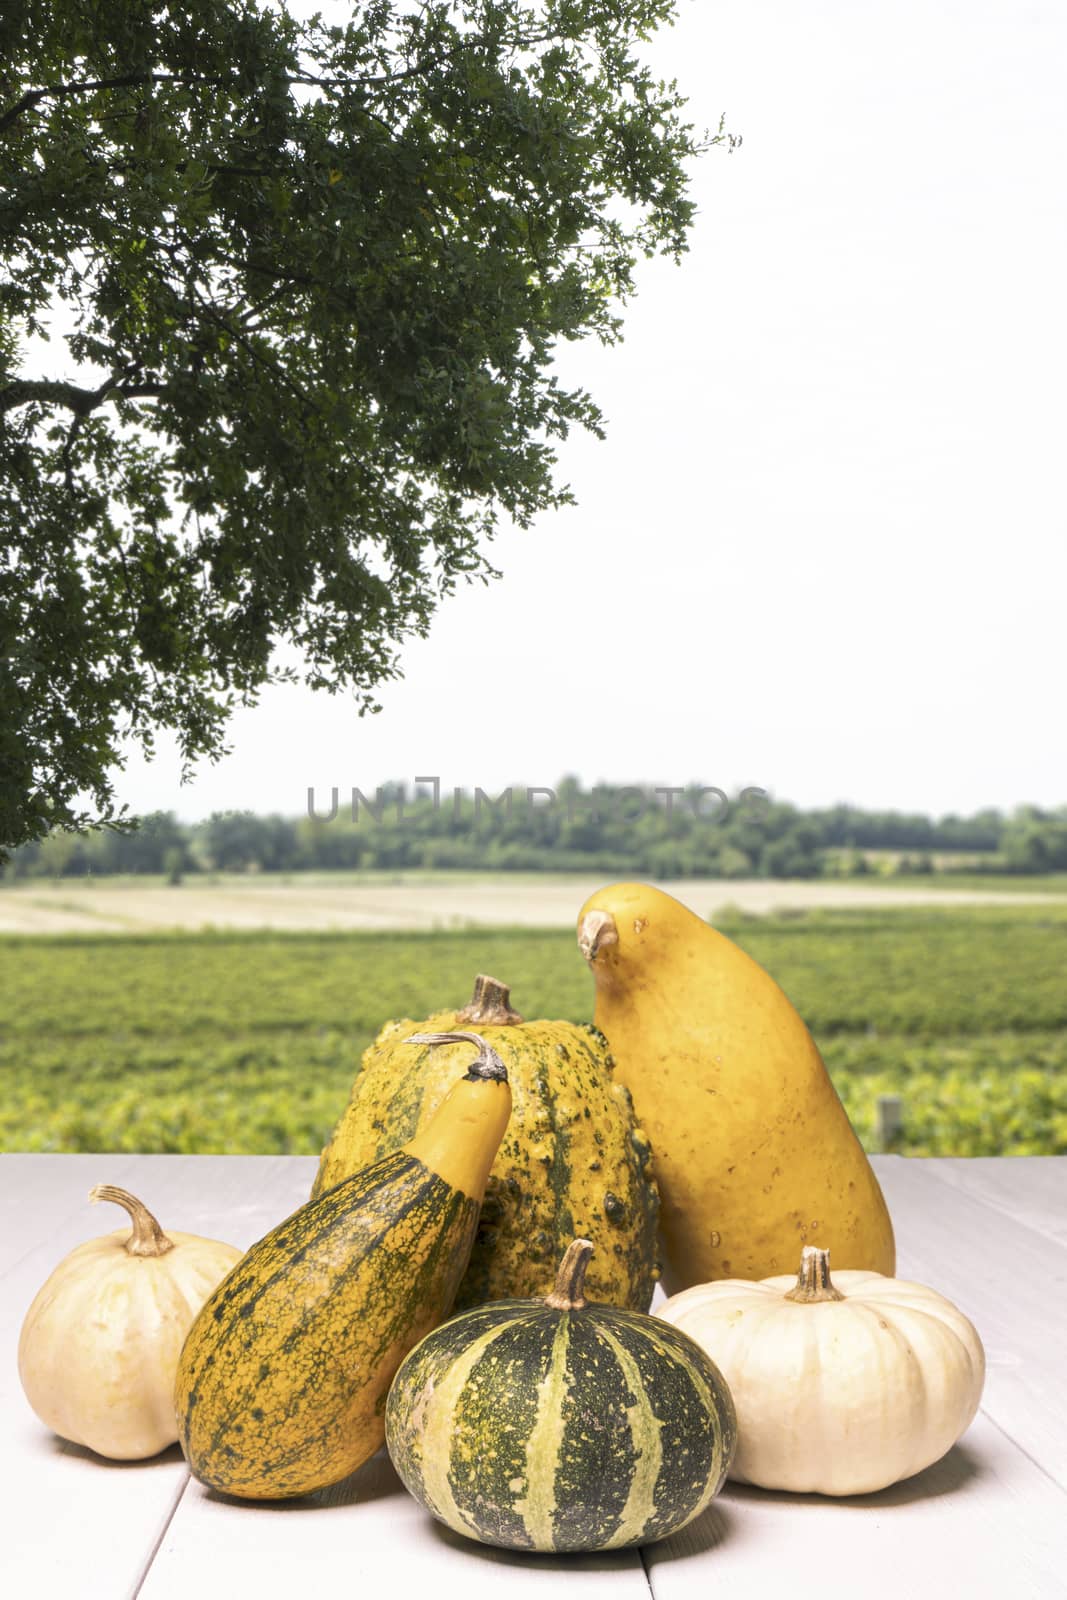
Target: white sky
{"type": "Point", "coordinates": [822, 549]}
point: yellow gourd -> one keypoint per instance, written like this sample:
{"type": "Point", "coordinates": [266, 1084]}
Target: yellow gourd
{"type": "Point", "coordinates": [99, 1346]}
{"type": "Point", "coordinates": [282, 1382]}
{"type": "Point", "coordinates": [755, 1155]}
{"type": "Point", "coordinates": [841, 1387]}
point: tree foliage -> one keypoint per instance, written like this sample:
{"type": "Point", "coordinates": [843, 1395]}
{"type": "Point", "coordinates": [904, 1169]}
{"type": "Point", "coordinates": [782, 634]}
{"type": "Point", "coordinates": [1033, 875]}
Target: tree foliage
{"type": "Point", "coordinates": [277, 316]}
{"type": "Point", "coordinates": [602, 832]}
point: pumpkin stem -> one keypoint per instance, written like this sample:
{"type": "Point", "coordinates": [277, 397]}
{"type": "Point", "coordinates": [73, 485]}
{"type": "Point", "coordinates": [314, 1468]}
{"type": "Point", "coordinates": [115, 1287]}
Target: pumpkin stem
{"type": "Point", "coordinates": [490, 1003]}
{"type": "Point", "coordinates": [570, 1279]}
{"type": "Point", "coordinates": [487, 1064]}
{"type": "Point", "coordinates": [813, 1279]}
{"type": "Point", "coordinates": [147, 1238]}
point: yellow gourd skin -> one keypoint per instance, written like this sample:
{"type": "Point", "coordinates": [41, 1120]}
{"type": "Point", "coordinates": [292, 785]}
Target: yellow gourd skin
{"type": "Point", "coordinates": [282, 1382]}
{"type": "Point", "coordinates": [100, 1343]}
{"type": "Point", "coordinates": [755, 1156]}
{"type": "Point", "coordinates": [861, 1382]}
{"type": "Point", "coordinates": [573, 1159]}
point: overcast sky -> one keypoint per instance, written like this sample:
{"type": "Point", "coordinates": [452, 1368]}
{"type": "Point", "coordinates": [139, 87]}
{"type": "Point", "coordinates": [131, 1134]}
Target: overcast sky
{"type": "Point", "coordinates": [822, 549]}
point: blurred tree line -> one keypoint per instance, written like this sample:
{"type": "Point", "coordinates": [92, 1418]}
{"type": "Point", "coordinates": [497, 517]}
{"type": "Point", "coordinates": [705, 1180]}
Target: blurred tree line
{"type": "Point", "coordinates": [610, 831]}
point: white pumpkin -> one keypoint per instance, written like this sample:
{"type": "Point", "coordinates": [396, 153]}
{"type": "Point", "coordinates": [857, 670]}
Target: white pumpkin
{"type": "Point", "coordinates": [98, 1352]}
{"type": "Point", "coordinates": [840, 1388]}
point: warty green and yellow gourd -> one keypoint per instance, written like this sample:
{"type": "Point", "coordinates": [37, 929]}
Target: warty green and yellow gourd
{"type": "Point", "coordinates": [573, 1159]}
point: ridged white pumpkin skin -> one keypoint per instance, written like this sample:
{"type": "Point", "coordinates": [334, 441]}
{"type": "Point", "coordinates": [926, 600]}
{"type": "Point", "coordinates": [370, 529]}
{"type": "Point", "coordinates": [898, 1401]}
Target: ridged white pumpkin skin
{"type": "Point", "coordinates": [842, 1396]}
{"type": "Point", "coordinates": [98, 1352]}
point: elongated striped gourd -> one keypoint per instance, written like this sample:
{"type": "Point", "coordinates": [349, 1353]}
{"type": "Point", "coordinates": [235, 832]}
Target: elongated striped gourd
{"type": "Point", "coordinates": [282, 1380]}
{"type": "Point", "coordinates": [573, 1160]}
{"type": "Point", "coordinates": [560, 1424]}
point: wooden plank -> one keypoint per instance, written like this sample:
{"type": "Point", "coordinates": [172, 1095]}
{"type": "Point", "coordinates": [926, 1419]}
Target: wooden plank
{"type": "Point", "coordinates": [1012, 1283]}
{"type": "Point", "coordinates": [1031, 1189]}
{"type": "Point", "coordinates": [373, 1537]}
{"type": "Point", "coordinates": [74, 1524]}
{"type": "Point", "coordinates": [47, 1197]}
{"type": "Point", "coordinates": [49, 1191]}
{"type": "Point", "coordinates": [80, 1525]}
{"type": "Point", "coordinates": [984, 1521]}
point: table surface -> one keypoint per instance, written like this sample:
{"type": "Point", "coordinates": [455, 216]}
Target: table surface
{"type": "Point", "coordinates": [990, 1518]}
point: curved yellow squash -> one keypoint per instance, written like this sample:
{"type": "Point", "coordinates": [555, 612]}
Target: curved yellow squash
{"type": "Point", "coordinates": [755, 1156]}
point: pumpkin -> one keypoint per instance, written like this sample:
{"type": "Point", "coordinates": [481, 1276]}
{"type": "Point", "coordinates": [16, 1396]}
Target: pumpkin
{"type": "Point", "coordinates": [755, 1155]}
{"type": "Point", "coordinates": [99, 1345]}
{"type": "Point", "coordinates": [572, 1161]}
{"type": "Point", "coordinates": [281, 1383]}
{"type": "Point", "coordinates": [843, 1386]}
{"type": "Point", "coordinates": [558, 1424]}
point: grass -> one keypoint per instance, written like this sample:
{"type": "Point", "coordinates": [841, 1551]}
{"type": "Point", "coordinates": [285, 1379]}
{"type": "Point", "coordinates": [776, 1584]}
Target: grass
{"type": "Point", "coordinates": [249, 1042]}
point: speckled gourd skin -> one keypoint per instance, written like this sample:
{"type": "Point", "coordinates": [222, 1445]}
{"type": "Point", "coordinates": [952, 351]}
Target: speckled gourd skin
{"type": "Point", "coordinates": [282, 1380]}
{"type": "Point", "coordinates": [532, 1428]}
{"type": "Point", "coordinates": [572, 1161]}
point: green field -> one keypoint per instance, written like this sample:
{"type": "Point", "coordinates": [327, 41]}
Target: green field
{"type": "Point", "coordinates": [248, 1042]}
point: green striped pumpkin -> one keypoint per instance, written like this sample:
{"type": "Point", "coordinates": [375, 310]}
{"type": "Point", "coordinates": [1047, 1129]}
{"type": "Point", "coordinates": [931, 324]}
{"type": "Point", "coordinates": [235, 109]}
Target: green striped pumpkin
{"type": "Point", "coordinates": [560, 1424]}
{"type": "Point", "coordinates": [573, 1159]}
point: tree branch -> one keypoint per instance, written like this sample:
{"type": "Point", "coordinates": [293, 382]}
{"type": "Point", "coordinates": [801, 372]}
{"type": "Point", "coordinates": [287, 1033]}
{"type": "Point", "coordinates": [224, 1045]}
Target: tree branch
{"type": "Point", "coordinates": [427, 63]}
{"type": "Point", "coordinates": [132, 80]}
{"type": "Point", "coordinates": [81, 401]}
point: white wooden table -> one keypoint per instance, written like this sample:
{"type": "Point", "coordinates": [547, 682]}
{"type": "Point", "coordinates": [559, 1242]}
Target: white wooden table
{"type": "Point", "coordinates": [988, 1520]}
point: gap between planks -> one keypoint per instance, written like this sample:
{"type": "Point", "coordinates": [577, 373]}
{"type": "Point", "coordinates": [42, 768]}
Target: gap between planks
{"type": "Point", "coordinates": [150, 1557]}
{"type": "Point", "coordinates": [1034, 1462]}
